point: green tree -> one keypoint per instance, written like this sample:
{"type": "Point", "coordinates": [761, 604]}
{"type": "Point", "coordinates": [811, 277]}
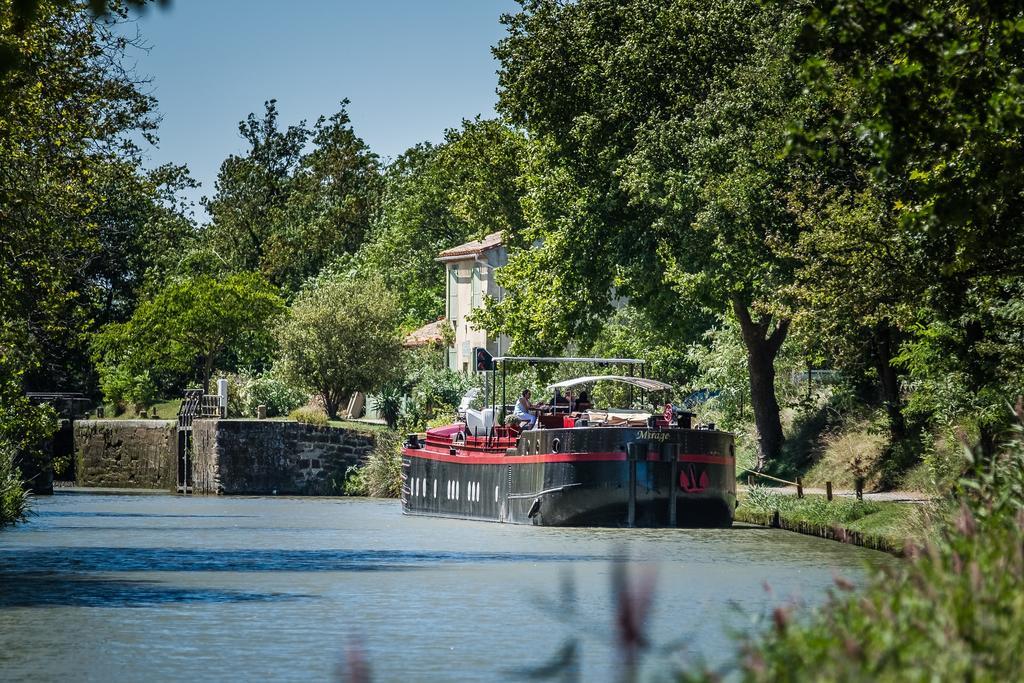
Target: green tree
{"type": "Point", "coordinates": [252, 189]}
{"type": "Point", "coordinates": [341, 336]}
{"type": "Point", "coordinates": [854, 290]}
{"type": "Point", "coordinates": [657, 170]}
{"type": "Point", "coordinates": [71, 113]}
{"type": "Point", "coordinates": [67, 152]}
{"type": "Point", "coordinates": [188, 325]}
{"type": "Point", "coordinates": [936, 87]}
{"type": "Point", "coordinates": [437, 197]}
{"type": "Point", "coordinates": [276, 200]}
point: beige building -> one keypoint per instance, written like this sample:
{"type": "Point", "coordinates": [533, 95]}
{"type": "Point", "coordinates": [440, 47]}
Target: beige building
{"type": "Point", "coordinates": [470, 270]}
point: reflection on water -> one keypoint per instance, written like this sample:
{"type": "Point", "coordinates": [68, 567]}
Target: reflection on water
{"type": "Point", "coordinates": [204, 560]}
{"type": "Point", "coordinates": [29, 589]}
{"type": "Point", "coordinates": [273, 588]}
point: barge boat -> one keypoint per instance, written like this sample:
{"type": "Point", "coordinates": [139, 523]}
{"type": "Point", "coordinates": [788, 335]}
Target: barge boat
{"type": "Point", "coordinates": [614, 467]}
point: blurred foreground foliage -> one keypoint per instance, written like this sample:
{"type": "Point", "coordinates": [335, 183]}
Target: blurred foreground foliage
{"type": "Point", "coordinates": [952, 611]}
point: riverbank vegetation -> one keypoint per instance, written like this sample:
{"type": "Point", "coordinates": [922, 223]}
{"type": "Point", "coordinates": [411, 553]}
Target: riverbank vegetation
{"type": "Point", "coordinates": [952, 610]}
{"type": "Point", "coordinates": [381, 475]}
{"type": "Point", "coordinates": [883, 525]}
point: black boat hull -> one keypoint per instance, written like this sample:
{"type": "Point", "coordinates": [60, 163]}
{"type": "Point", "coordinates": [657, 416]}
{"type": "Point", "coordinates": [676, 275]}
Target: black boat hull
{"type": "Point", "coordinates": [624, 481]}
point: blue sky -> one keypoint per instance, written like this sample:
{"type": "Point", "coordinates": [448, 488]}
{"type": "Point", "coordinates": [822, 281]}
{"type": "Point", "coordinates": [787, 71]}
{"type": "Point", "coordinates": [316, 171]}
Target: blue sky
{"type": "Point", "coordinates": [411, 68]}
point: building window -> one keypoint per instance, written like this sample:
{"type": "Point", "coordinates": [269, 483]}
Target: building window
{"type": "Point", "coordinates": [453, 293]}
{"type": "Point", "coordinates": [452, 358]}
{"type": "Point", "coordinates": [477, 299]}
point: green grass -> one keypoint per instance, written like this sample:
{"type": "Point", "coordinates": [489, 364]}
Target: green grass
{"type": "Point", "coordinates": [365, 427]}
{"type": "Point", "coordinates": [883, 525]}
{"type": "Point", "coordinates": [166, 409]}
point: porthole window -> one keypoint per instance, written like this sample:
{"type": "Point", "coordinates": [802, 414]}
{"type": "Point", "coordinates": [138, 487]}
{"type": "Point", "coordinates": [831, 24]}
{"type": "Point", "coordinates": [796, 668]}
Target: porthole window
{"type": "Point", "coordinates": [556, 445]}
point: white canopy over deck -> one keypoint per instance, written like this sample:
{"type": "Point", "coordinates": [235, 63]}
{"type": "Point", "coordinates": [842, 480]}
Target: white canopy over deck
{"type": "Point", "coordinates": [641, 382]}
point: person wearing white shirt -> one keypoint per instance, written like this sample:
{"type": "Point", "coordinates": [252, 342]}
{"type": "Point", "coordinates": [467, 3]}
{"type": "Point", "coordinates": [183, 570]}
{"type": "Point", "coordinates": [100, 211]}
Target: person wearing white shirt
{"type": "Point", "coordinates": [523, 408]}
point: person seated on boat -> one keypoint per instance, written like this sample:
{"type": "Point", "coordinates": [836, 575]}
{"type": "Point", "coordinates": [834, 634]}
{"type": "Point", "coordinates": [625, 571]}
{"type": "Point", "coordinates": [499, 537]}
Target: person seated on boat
{"type": "Point", "coordinates": [523, 408]}
{"type": "Point", "coordinates": [583, 402]}
{"type": "Point", "coordinates": [559, 402]}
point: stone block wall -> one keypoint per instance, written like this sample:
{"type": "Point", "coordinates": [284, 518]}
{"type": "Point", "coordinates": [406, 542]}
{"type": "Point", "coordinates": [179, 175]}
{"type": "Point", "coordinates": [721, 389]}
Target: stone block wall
{"type": "Point", "coordinates": [260, 457]}
{"type": "Point", "coordinates": [126, 453]}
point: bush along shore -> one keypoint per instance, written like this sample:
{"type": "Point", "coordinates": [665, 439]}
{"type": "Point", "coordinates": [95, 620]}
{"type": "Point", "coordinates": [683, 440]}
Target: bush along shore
{"type": "Point", "coordinates": [887, 526]}
{"type": "Point", "coordinates": [952, 611]}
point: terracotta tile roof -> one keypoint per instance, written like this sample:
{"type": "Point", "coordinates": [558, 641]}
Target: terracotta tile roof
{"type": "Point", "coordinates": [472, 248]}
{"type": "Point", "coordinates": [431, 332]}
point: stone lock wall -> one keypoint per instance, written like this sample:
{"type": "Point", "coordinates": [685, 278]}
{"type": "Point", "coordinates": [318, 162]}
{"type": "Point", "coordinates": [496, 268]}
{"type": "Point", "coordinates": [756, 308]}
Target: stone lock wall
{"type": "Point", "coordinates": [125, 453]}
{"type": "Point", "coordinates": [269, 456]}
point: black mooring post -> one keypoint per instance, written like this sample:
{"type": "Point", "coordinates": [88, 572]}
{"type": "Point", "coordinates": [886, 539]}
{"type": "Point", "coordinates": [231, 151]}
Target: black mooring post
{"type": "Point", "coordinates": [673, 482]}
{"type": "Point", "coordinates": [631, 518]}
{"type": "Point", "coordinates": [634, 452]}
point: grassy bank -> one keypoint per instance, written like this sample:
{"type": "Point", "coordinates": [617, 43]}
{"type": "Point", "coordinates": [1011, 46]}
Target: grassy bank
{"type": "Point", "coordinates": [164, 410]}
{"type": "Point", "coordinates": [881, 525]}
{"type": "Point", "coordinates": [355, 426]}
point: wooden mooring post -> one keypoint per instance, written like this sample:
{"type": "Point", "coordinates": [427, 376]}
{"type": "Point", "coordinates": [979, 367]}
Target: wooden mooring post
{"type": "Point", "coordinates": [799, 487]}
{"type": "Point", "coordinates": [859, 483]}
{"type": "Point", "coordinates": [750, 480]}
{"type": "Point", "coordinates": [828, 490]}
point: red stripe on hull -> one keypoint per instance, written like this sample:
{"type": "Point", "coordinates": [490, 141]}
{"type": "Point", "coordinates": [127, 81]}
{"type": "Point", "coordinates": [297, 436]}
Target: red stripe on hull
{"type": "Point", "coordinates": [555, 457]}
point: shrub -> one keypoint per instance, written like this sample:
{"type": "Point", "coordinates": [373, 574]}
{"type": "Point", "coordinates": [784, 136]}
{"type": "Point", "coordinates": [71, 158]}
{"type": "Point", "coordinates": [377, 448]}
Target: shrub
{"type": "Point", "coordinates": [442, 420]}
{"type": "Point", "coordinates": [13, 498]}
{"type": "Point", "coordinates": [123, 387]}
{"type": "Point", "coordinates": [381, 476]}
{"type": "Point", "coordinates": [438, 390]}
{"type": "Point", "coordinates": [355, 482]}
{"type": "Point", "coordinates": [280, 397]}
{"type": "Point", "coordinates": [953, 609]}
{"type": "Point", "coordinates": [309, 415]}
{"type": "Point", "coordinates": [389, 405]}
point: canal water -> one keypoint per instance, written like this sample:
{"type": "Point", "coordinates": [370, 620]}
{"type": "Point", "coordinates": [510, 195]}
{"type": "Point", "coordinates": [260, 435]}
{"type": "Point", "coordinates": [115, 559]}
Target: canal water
{"type": "Point", "coordinates": [157, 587]}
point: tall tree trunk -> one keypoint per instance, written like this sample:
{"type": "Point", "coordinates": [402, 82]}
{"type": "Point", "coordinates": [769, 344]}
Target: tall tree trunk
{"type": "Point", "coordinates": [889, 381]}
{"type": "Point", "coordinates": [331, 404]}
{"type": "Point", "coordinates": [763, 344]}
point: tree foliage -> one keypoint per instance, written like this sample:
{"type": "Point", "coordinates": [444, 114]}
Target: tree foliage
{"type": "Point", "coordinates": [75, 208]}
{"type": "Point", "coordinates": [437, 197]}
{"type": "Point", "coordinates": [341, 336]}
{"type": "Point", "coordinates": [185, 329]}
{"type": "Point", "coordinates": [286, 212]}
{"type": "Point", "coordinates": [657, 172]}
{"type": "Point", "coordinates": [933, 91]}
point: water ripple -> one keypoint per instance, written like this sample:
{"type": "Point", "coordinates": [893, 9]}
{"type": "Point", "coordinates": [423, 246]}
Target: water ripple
{"type": "Point", "coordinates": [28, 589]}
{"type": "Point", "coordinates": [112, 559]}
